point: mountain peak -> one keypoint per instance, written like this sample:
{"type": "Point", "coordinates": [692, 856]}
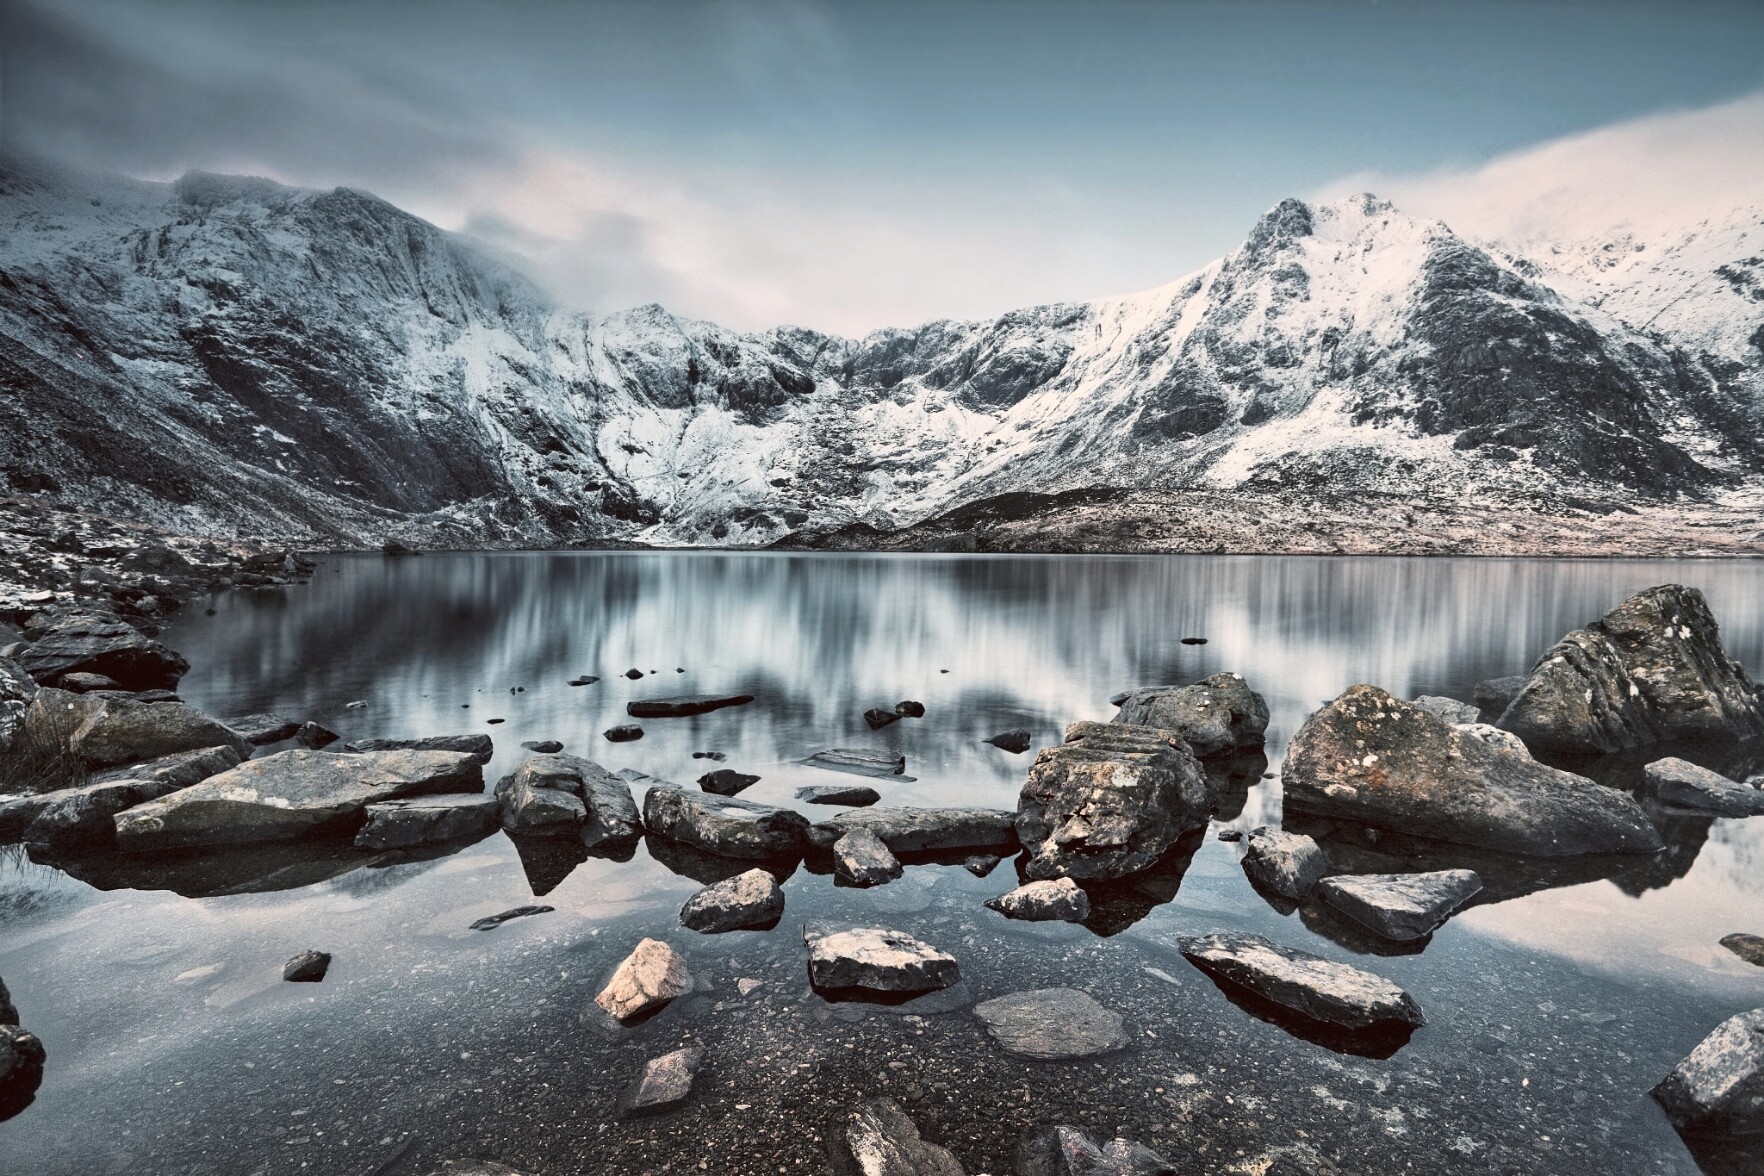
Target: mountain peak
{"type": "Point", "coordinates": [1284, 223]}
{"type": "Point", "coordinates": [210, 189]}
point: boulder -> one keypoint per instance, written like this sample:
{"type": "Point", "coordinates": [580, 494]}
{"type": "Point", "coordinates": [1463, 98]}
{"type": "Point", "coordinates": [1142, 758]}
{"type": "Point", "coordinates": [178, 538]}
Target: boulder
{"type": "Point", "coordinates": [1015, 741]}
{"type": "Point", "coordinates": [1371, 758]}
{"type": "Point", "coordinates": [529, 806]}
{"type": "Point", "coordinates": [747, 902]}
{"type": "Point", "coordinates": [80, 821]}
{"type": "Point", "coordinates": [875, 959]}
{"type": "Point", "coordinates": [861, 859]}
{"type": "Point", "coordinates": [1284, 864]}
{"type": "Point", "coordinates": [1313, 987]}
{"type": "Point", "coordinates": [159, 777]}
{"type": "Point", "coordinates": [290, 795]}
{"type": "Point", "coordinates": [859, 761]}
{"type": "Point", "coordinates": [1450, 709]}
{"type": "Point", "coordinates": [1651, 670]}
{"type": "Point", "coordinates": [1212, 716]}
{"type": "Point", "coordinates": [854, 795]}
{"type": "Point", "coordinates": [258, 730]}
{"type": "Point", "coordinates": [479, 747]}
{"type": "Point", "coordinates": [429, 820]}
{"type": "Point", "coordinates": [1495, 695]}
{"type": "Point", "coordinates": [309, 967]}
{"type": "Point", "coordinates": [924, 830]}
{"type": "Point", "coordinates": [910, 709]}
{"type": "Point", "coordinates": [1746, 946]}
{"type": "Point", "coordinates": [1067, 1151]}
{"type": "Point", "coordinates": [94, 643]}
{"type": "Point", "coordinates": [878, 718]}
{"type": "Point", "coordinates": [1719, 1089]}
{"type": "Point", "coordinates": [683, 705]}
{"type": "Point", "coordinates": [623, 733]}
{"type": "Point", "coordinates": [1110, 801]}
{"type": "Point", "coordinates": [879, 1139]}
{"type": "Point", "coordinates": [103, 731]}
{"type": "Point", "coordinates": [1682, 784]}
{"type": "Point", "coordinates": [726, 781]}
{"type": "Point", "coordinates": [1052, 1024]}
{"type": "Point", "coordinates": [724, 826]}
{"type": "Point", "coordinates": [1401, 907]}
{"type": "Point", "coordinates": [316, 735]}
{"type": "Point", "coordinates": [651, 976]}
{"type": "Point", "coordinates": [663, 1083]}
{"type": "Point", "coordinates": [113, 791]}
{"type": "Point", "coordinates": [1049, 900]}
{"type": "Point", "coordinates": [21, 1068]}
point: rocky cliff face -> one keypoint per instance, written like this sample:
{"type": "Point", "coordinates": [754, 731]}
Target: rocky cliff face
{"type": "Point", "coordinates": [229, 355]}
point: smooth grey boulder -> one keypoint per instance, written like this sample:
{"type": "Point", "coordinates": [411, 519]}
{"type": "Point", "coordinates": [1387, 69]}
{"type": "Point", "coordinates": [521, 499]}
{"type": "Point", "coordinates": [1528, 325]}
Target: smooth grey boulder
{"type": "Point", "coordinates": [429, 820]}
{"type": "Point", "coordinates": [1052, 1024]}
{"type": "Point", "coordinates": [94, 643]}
{"type": "Point", "coordinates": [1049, 900]}
{"type": "Point", "coordinates": [479, 747]}
{"type": "Point", "coordinates": [723, 825]}
{"type": "Point", "coordinates": [854, 795]}
{"type": "Point", "coordinates": [748, 901]}
{"type": "Point", "coordinates": [309, 967]}
{"type": "Point", "coordinates": [924, 830]}
{"type": "Point", "coordinates": [1316, 988]}
{"type": "Point", "coordinates": [1373, 758]}
{"type": "Point", "coordinates": [683, 705]}
{"type": "Point", "coordinates": [120, 788]}
{"type": "Point", "coordinates": [290, 795]}
{"type": "Point", "coordinates": [1218, 714]}
{"type": "Point", "coordinates": [1682, 784]}
{"type": "Point", "coordinates": [1067, 1151]}
{"type": "Point", "coordinates": [859, 761]}
{"type": "Point", "coordinates": [1110, 801]}
{"type": "Point", "coordinates": [1401, 907]}
{"type": "Point", "coordinates": [651, 976]}
{"type": "Point", "coordinates": [258, 730]}
{"type": "Point", "coordinates": [876, 959]}
{"type": "Point", "coordinates": [1652, 670]}
{"type": "Point", "coordinates": [663, 1084]}
{"type": "Point", "coordinates": [877, 1138]}
{"type": "Point", "coordinates": [1449, 709]}
{"type": "Point", "coordinates": [1718, 1090]}
{"type": "Point", "coordinates": [1283, 863]}
{"type": "Point", "coordinates": [861, 859]}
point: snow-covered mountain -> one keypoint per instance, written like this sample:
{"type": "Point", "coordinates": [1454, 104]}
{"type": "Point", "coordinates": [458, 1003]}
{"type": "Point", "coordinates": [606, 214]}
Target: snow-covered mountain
{"type": "Point", "coordinates": [229, 354]}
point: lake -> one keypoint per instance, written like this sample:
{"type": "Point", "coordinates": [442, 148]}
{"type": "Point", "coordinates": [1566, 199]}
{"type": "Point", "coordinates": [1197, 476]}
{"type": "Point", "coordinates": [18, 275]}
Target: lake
{"type": "Point", "coordinates": [175, 1046]}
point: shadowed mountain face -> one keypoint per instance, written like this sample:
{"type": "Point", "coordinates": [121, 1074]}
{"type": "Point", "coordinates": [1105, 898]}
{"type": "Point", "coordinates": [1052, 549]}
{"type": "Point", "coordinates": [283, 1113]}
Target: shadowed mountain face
{"type": "Point", "coordinates": [226, 353]}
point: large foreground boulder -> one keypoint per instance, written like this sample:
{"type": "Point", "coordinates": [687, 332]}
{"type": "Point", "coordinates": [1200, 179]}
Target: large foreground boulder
{"type": "Point", "coordinates": [924, 830]}
{"type": "Point", "coordinates": [290, 795]}
{"type": "Point", "coordinates": [1110, 801]}
{"type": "Point", "coordinates": [1651, 670]}
{"type": "Point", "coordinates": [94, 643]}
{"type": "Point", "coordinates": [1719, 1089]}
{"type": "Point", "coordinates": [724, 825]}
{"type": "Point", "coordinates": [1313, 987]}
{"type": "Point", "coordinates": [1217, 715]}
{"type": "Point", "coordinates": [1373, 758]}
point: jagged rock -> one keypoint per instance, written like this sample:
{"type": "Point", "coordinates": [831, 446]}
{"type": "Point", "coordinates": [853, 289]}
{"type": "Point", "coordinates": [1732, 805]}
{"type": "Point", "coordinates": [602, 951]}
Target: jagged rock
{"type": "Point", "coordinates": [724, 826]}
{"type": "Point", "coordinates": [1015, 741]}
{"type": "Point", "coordinates": [726, 781]}
{"type": "Point", "coordinates": [749, 901]}
{"type": "Point", "coordinates": [1048, 900]}
{"type": "Point", "coordinates": [981, 864]}
{"type": "Point", "coordinates": [879, 1139]}
{"type": "Point", "coordinates": [860, 858]}
{"type": "Point", "coordinates": [1749, 948]}
{"type": "Point", "coordinates": [529, 806]}
{"type": "Point", "coordinates": [663, 1084]}
{"type": "Point", "coordinates": [1282, 863]}
{"type": "Point", "coordinates": [910, 709]}
{"type": "Point", "coordinates": [924, 830]}
{"type": "Point", "coordinates": [289, 795]}
{"type": "Point", "coordinates": [878, 718]}
{"type": "Point", "coordinates": [309, 967]}
{"type": "Point", "coordinates": [21, 1068]}
{"type": "Point", "coordinates": [1401, 907]}
{"type": "Point", "coordinates": [1320, 989]}
{"type": "Point", "coordinates": [1682, 784]}
{"type": "Point", "coordinates": [429, 820]}
{"type": "Point", "coordinates": [859, 761]}
{"type": "Point", "coordinates": [1066, 1151]}
{"type": "Point", "coordinates": [854, 795]}
{"type": "Point", "coordinates": [1052, 1023]}
{"type": "Point", "coordinates": [683, 705]}
{"type": "Point", "coordinates": [1495, 695]}
{"type": "Point", "coordinates": [258, 730]}
{"type": "Point", "coordinates": [479, 747]}
{"type": "Point", "coordinates": [1651, 670]}
{"type": "Point", "coordinates": [875, 959]}
{"type": "Point", "coordinates": [1372, 758]}
{"type": "Point", "coordinates": [651, 976]}
{"type": "Point", "coordinates": [1215, 715]}
{"type": "Point", "coordinates": [1718, 1090]}
{"type": "Point", "coordinates": [92, 643]}
{"type": "Point", "coordinates": [1450, 709]}
{"type": "Point", "coordinates": [491, 922]}
{"type": "Point", "coordinates": [1109, 801]}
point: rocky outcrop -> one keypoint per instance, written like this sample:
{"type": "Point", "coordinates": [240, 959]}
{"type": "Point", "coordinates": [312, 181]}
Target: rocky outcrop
{"type": "Point", "coordinates": [1651, 670]}
{"type": "Point", "coordinates": [1682, 784]}
{"type": "Point", "coordinates": [924, 830]}
{"type": "Point", "coordinates": [875, 959]}
{"type": "Point", "coordinates": [722, 825]}
{"type": "Point", "coordinates": [429, 820]}
{"type": "Point", "coordinates": [1373, 758]}
{"type": "Point", "coordinates": [1313, 987]}
{"type": "Point", "coordinates": [479, 747]}
{"type": "Point", "coordinates": [1067, 1151]}
{"type": "Point", "coordinates": [1284, 864]}
{"type": "Point", "coordinates": [1400, 907]}
{"type": "Point", "coordinates": [751, 901]}
{"type": "Point", "coordinates": [877, 1138]}
{"type": "Point", "coordinates": [651, 976]}
{"type": "Point", "coordinates": [1212, 716]}
{"type": "Point", "coordinates": [290, 795]}
{"type": "Point", "coordinates": [1049, 900]}
{"type": "Point", "coordinates": [1718, 1090]}
{"type": "Point", "coordinates": [1109, 801]}
{"type": "Point", "coordinates": [860, 858]}
{"type": "Point", "coordinates": [1052, 1024]}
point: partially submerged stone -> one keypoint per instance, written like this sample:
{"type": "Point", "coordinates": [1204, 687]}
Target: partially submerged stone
{"type": "Point", "coordinates": [1401, 907]}
{"type": "Point", "coordinates": [1282, 863]}
{"type": "Point", "coordinates": [748, 901]}
{"type": "Point", "coordinates": [924, 830]}
{"type": "Point", "coordinates": [859, 760]}
{"type": "Point", "coordinates": [726, 781]}
{"type": "Point", "coordinates": [491, 922]}
{"type": "Point", "coordinates": [429, 820]}
{"type": "Point", "coordinates": [1718, 1090]}
{"type": "Point", "coordinates": [878, 1138]}
{"type": "Point", "coordinates": [479, 747]}
{"type": "Point", "coordinates": [877, 718]}
{"type": "Point", "coordinates": [1747, 947]}
{"type": "Point", "coordinates": [1048, 900]}
{"type": "Point", "coordinates": [875, 959]}
{"type": "Point", "coordinates": [1685, 785]}
{"type": "Point", "coordinates": [557, 794]}
{"type": "Point", "coordinates": [261, 729]}
{"type": "Point", "coordinates": [683, 705]}
{"type": "Point", "coordinates": [1052, 1024]}
{"type": "Point", "coordinates": [663, 1084]}
{"type": "Point", "coordinates": [309, 967]}
{"type": "Point", "coordinates": [1016, 741]}
{"type": "Point", "coordinates": [854, 795]}
{"type": "Point", "coordinates": [1313, 987]}
{"type": "Point", "coordinates": [860, 858]}
{"type": "Point", "coordinates": [651, 976]}
{"type": "Point", "coordinates": [724, 826]}
{"type": "Point", "coordinates": [1212, 716]}
{"type": "Point", "coordinates": [1067, 1151]}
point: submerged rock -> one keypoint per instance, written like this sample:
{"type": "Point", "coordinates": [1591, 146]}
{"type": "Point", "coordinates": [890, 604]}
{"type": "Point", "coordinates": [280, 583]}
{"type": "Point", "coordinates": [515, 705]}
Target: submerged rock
{"type": "Point", "coordinates": [1283, 863]}
{"type": "Point", "coordinates": [479, 747]}
{"type": "Point", "coordinates": [749, 901]}
{"type": "Point", "coordinates": [309, 967]}
{"type": "Point", "coordinates": [854, 795]}
{"type": "Point", "coordinates": [1015, 741]}
{"type": "Point", "coordinates": [429, 820]}
{"type": "Point", "coordinates": [1372, 758]}
{"type": "Point", "coordinates": [909, 709]}
{"type": "Point", "coordinates": [1109, 801]}
{"type": "Point", "coordinates": [1044, 901]}
{"type": "Point", "coordinates": [724, 826]}
{"type": "Point", "coordinates": [875, 959]}
{"type": "Point", "coordinates": [924, 830]}
{"type": "Point", "coordinates": [1218, 714]}
{"type": "Point", "coordinates": [491, 922]}
{"type": "Point", "coordinates": [861, 859]}
{"type": "Point", "coordinates": [1718, 1090]}
{"type": "Point", "coordinates": [1316, 988]}
{"type": "Point", "coordinates": [663, 1083]}
{"type": "Point", "coordinates": [878, 718]}
{"type": "Point", "coordinates": [1052, 1023]}
{"type": "Point", "coordinates": [1682, 784]}
{"type": "Point", "coordinates": [1401, 907]}
{"type": "Point", "coordinates": [859, 761]}
{"type": "Point", "coordinates": [879, 1139]}
{"type": "Point", "coordinates": [1066, 1151]}
{"type": "Point", "coordinates": [623, 733]}
{"type": "Point", "coordinates": [315, 736]}
{"type": "Point", "coordinates": [683, 705]}
{"type": "Point", "coordinates": [651, 976]}
{"type": "Point", "coordinates": [1651, 670]}
{"type": "Point", "coordinates": [726, 781]}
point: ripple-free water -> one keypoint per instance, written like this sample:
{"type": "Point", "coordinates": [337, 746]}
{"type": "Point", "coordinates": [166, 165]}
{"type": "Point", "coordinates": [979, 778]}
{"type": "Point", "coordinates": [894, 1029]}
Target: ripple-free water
{"type": "Point", "coordinates": [175, 1046]}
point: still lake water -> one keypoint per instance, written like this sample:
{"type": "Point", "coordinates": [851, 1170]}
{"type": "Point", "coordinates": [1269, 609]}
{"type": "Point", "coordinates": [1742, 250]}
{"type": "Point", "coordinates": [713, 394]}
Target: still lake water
{"type": "Point", "coordinates": [175, 1047]}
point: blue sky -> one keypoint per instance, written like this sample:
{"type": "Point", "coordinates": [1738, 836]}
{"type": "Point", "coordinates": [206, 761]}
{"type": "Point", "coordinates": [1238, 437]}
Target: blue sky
{"type": "Point", "coordinates": [848, 165]}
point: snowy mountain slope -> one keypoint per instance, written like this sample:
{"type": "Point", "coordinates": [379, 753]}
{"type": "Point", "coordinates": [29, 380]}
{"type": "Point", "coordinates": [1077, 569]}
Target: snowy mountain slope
{"type": "Point", "coordinates": [225, 353]}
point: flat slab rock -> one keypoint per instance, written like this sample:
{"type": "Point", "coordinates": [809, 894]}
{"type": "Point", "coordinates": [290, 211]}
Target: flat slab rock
{"type": "Point", "coordinates": [663, 1083]}
{"type": "Point", "coordinates": [1067, 1151]}
{"type": "Point", "coordinates": [1052, 1024]}
{"type": "Point", "coordinates": [479, 747]}
{"type": "Point", "coordinates": [924, 830]}
{"type": "Point", "coordinates": [878, 1138]}
{"type": "Point", "coordinates": [858, 761]}
{"type": "Point", "coordinates": [683, 705]}
{"type": "Point", "coordinates": [748, 901]}
{"type": "Point", "coordinates": [876, 959]}
{"type": "Point", "coordinates": [724, 825]}
{"type": "Point", "coordinates": [1216, 715]}
{"type": "Point", "coordinates": [112, 792]}
{"type": "Point", "coordinates": [1322, 990]}
{"type": "Point", "coordinates": [1682, 784]}
{"type": "Point", "coordinates": [852, 795]}
{"type": "Point", "coordinates": [1719, 1088]}
{"type": "Point", "coordinates": [1401, 907]}
{"type": "Point", "coordinates": [651, 976]}
{"type": "Point", "coordinates": [428, 820]}
{"type": "Point", "coordinates": [1049, 900]}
